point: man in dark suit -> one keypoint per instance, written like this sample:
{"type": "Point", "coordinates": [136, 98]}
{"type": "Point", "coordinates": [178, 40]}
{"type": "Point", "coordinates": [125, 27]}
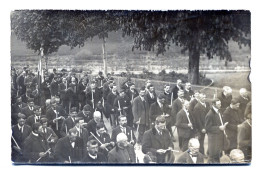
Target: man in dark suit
{"type": "Point", "coordinates": [199, 113]}
{"type": "Point", "coordinates": [123, 152]}
{"type": "Point", "coordinates": [168, 95]}
{"type": "Point", "coordinates": [225, 97]}
{"type": "Point", "coordinates": [36, 148]}
{"type": "Point", "coordinates": [93, 155]}
{"type": "Point", "coordinates": [54, 87]}
{"type": "Point", "coordinates": [105, 143]}
{"type": "Point", "coordinates": [132, 93]}
{"type": "Point", "coordinates": [107, 87]}
{"type": "Point", "coordinates": [69, 149]}
{"type": "Point", "coordinates": [110, 106]}
{"type": "Point", "coordinates": [82, 132]}
{"type": "Point", "coordinates": [20, 132]}
{"type": "Point", "coordinates": [20, 83]}
{"type": "Point", "coordinates": [232, 115]}
{"type": "Point", "coordinates": [72, 93]}
{"type": "Point", "coordinates": [158, 141]}
{"type": "Point", "coordinates": [34, 118]}
{"type": "Point", "coordinates": [92, 124]}
{"type": "Point", "coordinates": [177, 105]}
{"type": "Point", "coordinates": [158, 108]}
{"type": "Point", "coordinates": [55, 118]}
{"type": "Point", "coordinates": [29, 109]}
{"type": "Point", "coordinates": [194, 101]}
{"type": "Point", "coordinates": [177, 87]}
{"type": "Point", "coordinates": [123, 128]}
{"type": "Point", "coordinates": [192, 155]}
{"type": "Point", "coordinates": [70, 122]}
{"type": "Point", "coordinates": [82, 89]}
{"type": "Point", "coordinates": [141, 114]}
{"type": "Point", "coordinates": [244, 138]}
{"type": "Point", "coordinates": [188, 92]}
{"type": "Point", "coordinates": [123, 106]}
{"type": "Point", "coordinates": [17, 108]}
{"type": "Point", "coordinates": [151, 95]}
{"type": "Point", "coordinates": [62, 88]}
{"type": "Point", "coordinates": [86, 113]}
{"type": "Point", "coordinates": [185, 126]}
{"type": "Point", "coordinates": [215, 129]}
{"type": "Point", "coordinates": [93, 95]}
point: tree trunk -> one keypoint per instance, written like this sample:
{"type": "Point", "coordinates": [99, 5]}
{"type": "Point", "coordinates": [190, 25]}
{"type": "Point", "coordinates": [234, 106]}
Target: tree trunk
{"type": "Point", "coordinates": [194, 62]}
{"type": "Point", "coordinates": [104, 56]}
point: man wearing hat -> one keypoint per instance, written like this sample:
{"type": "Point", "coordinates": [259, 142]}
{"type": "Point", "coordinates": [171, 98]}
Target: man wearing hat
{"type": "Point", "coordinates": [110, 106]}
{"type": "Point", "coordinates": [141, 114]}
{"type": "Point", "coordinates": [69, 149]}
{"type": "Point", "coordinates": [55, 117]}
{"type": "Point", "coordinates": [86, 113]}
{"type": "Point", "coordinates": [157, 140]}
{"type": "Point", "coordinates": [17, 108]}
{"type": "Point", "coordinates": [232, 115]}
{"type": "Point", "coordinates": [34, 118]}
{"type": "Point", "coordinates": [29, 109]}
{"type": "Point", "coordinates": [72, 93]}
{"type": "Point", "coordinates": [70, 122]}
{"type": "Point", "coordinates": [28, 94]}
{"type": "Point", "coordinates": [20, 132]}
{"type": "Point", "coordinates": [93, 155]}
{"type": "Point", "coordinates": [48, 133]}
{"type": "Point", "coordinates": [93, 95]}
{"type": "Point", "coordinates": [123, 152]}
{"type": "Point", "coordinates": [158, 108]}
{"type": "Point", "coordinates": [123, 106]}
{"type": "Point", "coordinates": [36, 148]}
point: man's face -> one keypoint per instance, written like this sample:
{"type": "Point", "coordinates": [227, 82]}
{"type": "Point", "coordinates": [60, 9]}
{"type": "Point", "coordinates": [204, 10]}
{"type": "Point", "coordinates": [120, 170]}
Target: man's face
{"type": "Point", "coordinates": [188, 86]}
{"type": "Point", "coordinates": [37, 112]}
{"type": "Point", "coordinates": [181, 95]}
{"type": "Point", "coordinates": [167, 89]}
{"type": "Point", "coordinates": [86, 112]}
{"type": "Point", "coordinates": [122, 94]}
{"type": "Point", "coordinates": [132, 87]}
{"type": "Point", "coordinates": [218, 104]}
{"type": "Point", "coordinates": [93, 85]}
{"type": "Point", "coordinates": [196, 95]}
{"type": "Point", "coordinates": [54, 106]}
{"type": "Point", "coordinates": [186, 105]}
{"type": "Point", "coordinates": [162, 100]}
{"type": "Point", "coordinates": [179, 82]}
{"type": "Point", "coordinates": [151, 89]}
{"type": "Point", "coordinates": [101, 131]}
{"type": "Point", "coordinates": [64, 80]}
{"type": "Point", "coordinates": [31, 104]}
{"type": "Point", "coordinates": [123, 143]}
{"type": "Point", "coordinates": [93, 149]}
{"type": "Point", "coordinates": [73, 81]}
{"type": "Point", "coordinates": [161, 126]}
{"type": "Point", "coordinates": [19, 100]}
{"type": "Point", "coordinates": [21, 122]}
{"type": "Point", "coordinates": [194, 149]}
{"type": "Point", "coordinates": [202, 97]}
{"type": "Point", "coordinates": [97, 118]}
{"type": "Point", "coordinates": [123, 121]}
{"type": "Point", "coordinates": [114, 88]}
{"type": "Point", "coordinates": [142, 93]}
{"type": "Point", "coordinates": [236, 106]}
{"type": "Point", "coordinates": [73, 137]}
{"type": "Point", "coordinates": [73, 114]}
{"type": "Point", "coordinates": [44, 125]}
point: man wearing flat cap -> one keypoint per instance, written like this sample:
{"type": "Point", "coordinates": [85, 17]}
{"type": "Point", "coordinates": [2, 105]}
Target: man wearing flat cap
{"type": "Point", "coordinates": [69, 149]}
{"type": "Point", "coordinates": [20, 132]}
{"type": "Point", "coordinates": [158, 141]}
{"type": "Point", "coordinates": [70, 122]}
{"type": "Point", "coordinates": [123, 152]}
{"type": "Point", "coordinates": [232, 115]}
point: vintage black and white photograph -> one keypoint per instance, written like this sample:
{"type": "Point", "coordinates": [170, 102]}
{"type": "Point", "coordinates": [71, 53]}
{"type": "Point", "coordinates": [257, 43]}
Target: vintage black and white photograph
{"type": "Point", "coordinates": [130, 87]}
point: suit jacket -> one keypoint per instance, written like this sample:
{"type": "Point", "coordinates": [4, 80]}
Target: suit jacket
{"type": "Point", "coordinates": [199, 114]}
{"type": "Point", "coordinates": [91, 126]}
{"type": "Point", "coordinates": [27, 112]}
{"type": "Point", "coordinates": [141, 111]}
{"type": "Point", "coordinates": [192, 104]}
{"type": "Point", "coordinates": [117, 155]}
{"type": "Point", "coordinates": [188, 94]}
{"type": "Point", "coordinates": [51, 135]}
{"type": "Point", "coordinates": [20, 136]}
{"type": "Point", "coordinates": [64, 150]}
{"type": "Point", "coordinates": [101, 158]}
{"type": "Point", "coordinates": [66, 126]}
{"type": "Point", "coordinates": [176, 107]}
{"type": "Point", "coordinates": [97, 95]}
{"type": "Point", "coordinates": [225, 101]}
{"type": "Point", "coordinates": [132, 95]}
{"type": "Point", "coordinates": [155, 111]}
{"type": "Point", "coordinates": [110, 102]}
{"type": "Point", "coordinates": [175, 92]}
{"type": "Point", "coordinates": [33, 145]}
{"type": "Point", "coordinates": [104, 138]}
{"type": "Point", "coordinates": [150, 99]}
{"type": "Point", "coordinates": [51, 115]}
{"type": "Point", "coordinates": [54, 88]}
{"type": "Point", "coordinates": [182, 124]}
{"type": "Point", "coordinates": [185, 158]}
{"type": "Point", "coordinates": [243, 102]}
{"type": "Point", "coordinates": [244, 139]}
{"type": "Point", "coordinates": [86, 118]}
{"type": "Point", "coordinates": [129, 133]}
{"type": "Point", "coordinates": [31, 120]}
{"type": "Point", "coordinates": [62, 92]}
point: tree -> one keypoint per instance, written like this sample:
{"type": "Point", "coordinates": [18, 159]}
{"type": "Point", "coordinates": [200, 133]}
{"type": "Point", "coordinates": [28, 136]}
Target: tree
{"type": "Point", "coordinates": [198, 32]}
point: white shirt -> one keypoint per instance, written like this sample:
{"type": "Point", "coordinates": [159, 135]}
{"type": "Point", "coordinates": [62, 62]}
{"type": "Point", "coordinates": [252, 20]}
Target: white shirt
{"type": "Point", "coordinates": [216, 110]}
{"type": "Point", "coordinates": [160, 104]}
{"type": "Point", "coordinates": [20, 128]}
{"type": "Point", "coordinates": [194, 159]}
{"type": "Point", "coordinates": [93, 157]}
{"type": "Point", "coordinates": [151, 94]}
{"type": "Point", "coordinates": [73, 144]}
{"type": "Point", "coordinates": [35, 134]}
{"type": "Point", "coordinates": [203, 104]}
{"type": "Point", "coordinates": [123, 129]}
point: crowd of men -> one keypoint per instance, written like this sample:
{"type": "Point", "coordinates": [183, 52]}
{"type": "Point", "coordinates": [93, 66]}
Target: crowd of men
{"type": "Point", "coordinates": [61, 120]}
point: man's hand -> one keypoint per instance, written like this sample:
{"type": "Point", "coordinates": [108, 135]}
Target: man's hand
{"type": "Point", "coordinates": [103, 146]}
{"type": "Point", "coordinates": [203, 131]}
{"type": "Point", "coordinates": [189, 125]}
{"type": "Point", "coordinates": [222, 128]}
{"type": "Point", "coordinates": [112, 143]}
{"type": "Point", "coordinates": [161, 151]}
{"type": "Point", "coordinates": [132, 142]}
{"type": "Point", "coordinates": [66, 161]}
{"type": "Point", "coordinates": [42, 154]}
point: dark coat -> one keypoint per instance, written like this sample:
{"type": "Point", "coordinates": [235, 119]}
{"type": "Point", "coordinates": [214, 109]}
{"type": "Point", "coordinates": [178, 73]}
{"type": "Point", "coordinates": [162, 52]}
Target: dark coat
{"type": "Point", "coordinates": [19, 136]}
{"type": "Point", "coordinates": [150, 99]}
{"type": "Point", "coordinates": [132, 95]}
{"type": "Point", "coordinates": [225, 101]}
{"type": "Point", "coordinates": [244, 139]}
{"type": "Point", "coordinates": [110, 103]}
{"type": "Point", "coordinates": [175, 92]}
{"type": "Point", "coordinates": [54, 88]}
{"type": "Point", "coordinates": [188, 94]}
{"type": "Point", "coordinates": [31, 120]}
{"type": "Point", "coordinates": [63, 150]}
{"type": "Point", "coordinates": [33, 145]}
{"type": "Point", "coordinates": [91, 126]}
{"type": "Point", "coordinates": [129, 133]}
{"type": "Point", "coordinates": [101, 158]}
{"type": "Point", "coordinates": [86, 118]}
{"type": "Point", "coordinates": [234, 119]}
{"type": "Point", "coordinates": [243, 102]}
{"type": "Point", "coordinates": [27, 112]}
{"type": "Point", "coordinates": [116, 155]}
{"type": "Point", "coordinates": [192, 104]}
{"type": "Point", "coordinates": [215, 136]}
{"type": "Point", "coordinates": [152, 141]}
{"type": "Point", "coordinates": [66, 126]}
{"type": "Point", "coordinates": [155, 111]}
{"type": "Point", "coordinates": [62, 91]}
{"type": "Point", "coordinates": [182, 125]}
{"type": "Point", "coordinates": [176, 107]}
{"type": "Point", "coordinates": [141, 111]}
{"type": "Point", "coordinates": [199, 114]}
{"type": "Point", "coordinates": [51, 115]}
{"type": "Point", "coordinates": [97, 95]}
{"type": "Point", "coordinates": [185, 158]}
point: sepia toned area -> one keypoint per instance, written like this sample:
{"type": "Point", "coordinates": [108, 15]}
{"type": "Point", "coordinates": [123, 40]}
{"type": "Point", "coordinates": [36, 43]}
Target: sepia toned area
{"type": "Point", "coordinates": [130, 87]}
